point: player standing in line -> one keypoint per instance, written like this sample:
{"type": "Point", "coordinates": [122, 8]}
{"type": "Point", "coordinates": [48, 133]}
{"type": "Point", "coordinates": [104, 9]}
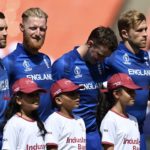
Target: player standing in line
{"type": "Point", "coordinates": [119, 130]}
{"type": "Point", "coordinates": [4, 86]}
{"type": "Point", "coordinates": [129, 58]}
{"type": "Point", "coordinates": [24, 129]}
{"type": "Point", "coordinates": [82, 66]}
{"type": "Point", "coordinates": [27, 61]}
{"type": "Point", "coordinates": [65, 130]}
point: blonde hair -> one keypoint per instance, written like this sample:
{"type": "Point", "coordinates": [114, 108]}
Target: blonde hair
{"type": "Point", "coordinates": [130, 19]}
{"type": "Point", "coordinates": [34, 12]}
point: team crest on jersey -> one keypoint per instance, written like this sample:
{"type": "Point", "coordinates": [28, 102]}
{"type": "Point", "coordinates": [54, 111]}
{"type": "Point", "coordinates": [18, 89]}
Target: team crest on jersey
{"type": "Point", "coordinates": [126, 59]}
{"type": "Point", "coordinates": [77, 72]}
{"type": "Point", "coordinates": [26, 65]}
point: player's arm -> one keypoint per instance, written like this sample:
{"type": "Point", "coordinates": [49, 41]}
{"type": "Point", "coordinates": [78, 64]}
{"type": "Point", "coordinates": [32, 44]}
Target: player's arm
{"type": "Point", "coordinates": [53, 132]}
{"type": "Point", "coordinates": [10, 136]}
{"type": "Point", "coordinates": [8, 63]}
{"type": "Point", "coordinates": [108, 131]}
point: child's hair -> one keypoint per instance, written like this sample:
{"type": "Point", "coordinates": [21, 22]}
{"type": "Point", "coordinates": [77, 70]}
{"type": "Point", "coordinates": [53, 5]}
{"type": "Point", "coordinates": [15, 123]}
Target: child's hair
{"type": "Point", "coordinates": [106, 102]}
{"type": "Point", "coordinates": [13, 108]}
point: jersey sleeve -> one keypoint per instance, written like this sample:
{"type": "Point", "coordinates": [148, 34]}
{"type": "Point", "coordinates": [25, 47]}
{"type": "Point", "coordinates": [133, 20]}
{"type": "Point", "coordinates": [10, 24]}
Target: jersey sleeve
{"type": "Point", "coordinates": [108, 131]}
{"type": "Point", "coordinates": [10, 139]}
{"type": "Point", "coordinates": [8, 63]}
{"type": "Point", "coordinates": [53, 129]}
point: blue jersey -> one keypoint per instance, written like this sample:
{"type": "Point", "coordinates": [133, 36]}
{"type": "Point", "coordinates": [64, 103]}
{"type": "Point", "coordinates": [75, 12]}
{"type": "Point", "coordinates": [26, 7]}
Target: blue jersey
{"type": "Point", "coordinates": [37, 67]}
{"type": "Point", "coordinates": [4, 91]}
{"type": "Point", "coordinates": [137, 66]}
{"type": "Point", "coordinates": [73, 67]}
{"type": "Point", "coordinates": [4, 95]}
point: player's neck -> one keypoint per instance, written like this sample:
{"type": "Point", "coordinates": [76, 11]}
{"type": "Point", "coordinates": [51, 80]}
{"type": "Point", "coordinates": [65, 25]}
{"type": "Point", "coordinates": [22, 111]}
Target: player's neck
{"type": "Point", "coordinates": [82, 50]}
{"type": "Point", "coordinates": [65, 113]}
{"type": "Point", "coordinates": [26, 117]}
{"type": "Point", "coordinates": [29, 50]}
{"type": "Point", "coordinates": [131, 47]}
{"type": "Point", "coordinates": [119, 109]}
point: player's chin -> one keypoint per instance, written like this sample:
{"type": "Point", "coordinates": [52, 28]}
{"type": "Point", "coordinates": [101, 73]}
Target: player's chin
{"type": "Point", "coordinates": [143, 44]}
{"type": "Point", "coordinates": [2, 44]}
{"type": "Point", "coordinates": [35, 106]}
{"type": "Point", "coordinates": [76, 106]}
{"type": "Point", "coordinates": [131, 103]}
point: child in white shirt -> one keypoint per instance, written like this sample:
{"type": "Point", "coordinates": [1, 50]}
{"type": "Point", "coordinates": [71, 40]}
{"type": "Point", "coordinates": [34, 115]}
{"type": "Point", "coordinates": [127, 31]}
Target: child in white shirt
{"type": "Point", "coordinates": [65, 130]}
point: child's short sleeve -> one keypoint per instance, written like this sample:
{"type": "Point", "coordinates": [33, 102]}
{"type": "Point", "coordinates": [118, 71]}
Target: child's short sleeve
{"type": "Point", "coordinates": [108, 131]}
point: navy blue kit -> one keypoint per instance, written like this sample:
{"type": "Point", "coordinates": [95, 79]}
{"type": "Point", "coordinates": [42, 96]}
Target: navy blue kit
{"type": "Point", "coordinates": [74, 68]}
{"type": "Point", "coordinates": [4, 95]}
{"type": "Point", "coordinates": [137, 66]}
{"type": "Point", "coordinates": [20, 64]}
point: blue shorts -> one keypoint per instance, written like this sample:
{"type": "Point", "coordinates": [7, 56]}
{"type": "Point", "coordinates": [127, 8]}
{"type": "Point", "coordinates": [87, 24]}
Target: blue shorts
{"type": "Point", "coordinates": [93, 141]}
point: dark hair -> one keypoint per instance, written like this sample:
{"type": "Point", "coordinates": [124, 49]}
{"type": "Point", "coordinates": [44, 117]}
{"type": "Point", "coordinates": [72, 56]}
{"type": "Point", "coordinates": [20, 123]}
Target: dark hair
{"type": "Point", "coordinates": [13, 108]}
{"type": "Point", "coordinates": [106, 102]}
{"type": "Point", "coordinates": [2, 16]}
{"type": "Point", "coordinates": [104, 36]}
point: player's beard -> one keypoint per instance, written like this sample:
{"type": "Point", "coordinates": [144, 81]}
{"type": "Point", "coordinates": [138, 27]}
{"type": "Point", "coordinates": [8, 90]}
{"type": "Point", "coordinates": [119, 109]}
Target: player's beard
{"type": "Point", "coordinates": [3, 43]}
{"type": "Point", "coordinates": [33, 44]}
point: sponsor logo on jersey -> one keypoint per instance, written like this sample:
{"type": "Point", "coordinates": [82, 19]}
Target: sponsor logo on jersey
{"type": "Point", "coordinates": [139, 72]}
{"type": "Point", "coordinates": [81, 142]}
{"type": "Point", "coordinates": [4, 85]}
{"type": "Point", "coordinates": [40, 77]}
{"type": "Point", "coordinates": [77, 72]}
{"type": "Point", "coordinates": [26, 65]}
{"type": "Point", "coordinates": [126, 59]}
{"type": "Point", "coordinates": [75, 140]}
{"type": "Point", "coordinates": [131, 141]}
{"type": "Point", "coordinates": [91, 86]}
{"type": "Point", "coordinates": [35, 147]}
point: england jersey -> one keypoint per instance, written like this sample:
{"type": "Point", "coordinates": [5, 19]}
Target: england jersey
{"type": "Point", "coordinates": [4, 90]}
{"type": "Point", "coordinates": [4, 95]}
{"type": "Point", "coordinates": [21, 64]}
{"type": "Point", "coordinates": [73, 67]}
{"type": "Point", "coordinates": [137, 66]}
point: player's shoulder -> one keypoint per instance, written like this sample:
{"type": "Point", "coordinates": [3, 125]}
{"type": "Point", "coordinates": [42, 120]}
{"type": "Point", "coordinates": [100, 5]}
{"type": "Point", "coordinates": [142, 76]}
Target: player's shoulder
{"type": "Point", "coordinates": [14, 121]}
{"type": "Point", "coordinates": [43, 54]}
{"type": "Point", "coordinates": [53, 118]}
{"type": "Point", "coordinates": [110, 116]}
{"type": "Point", "coordinates": [10, 56]}
{"type": "Point", "coordinates": [63, 61]}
